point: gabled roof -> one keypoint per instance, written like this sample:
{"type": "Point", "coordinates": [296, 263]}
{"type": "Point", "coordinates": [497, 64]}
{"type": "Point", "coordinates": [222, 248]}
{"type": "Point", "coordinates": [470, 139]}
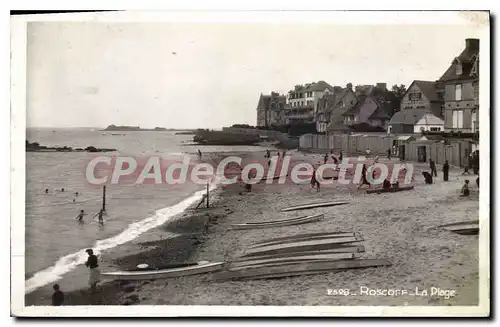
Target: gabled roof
{"type": "Point", "coordinates": [355, 109]}
{"type": "Point", "coordinates": [428, 88]}
{"type": "Point", "coordinates": [318, 86]}
{"type": "Point", "coordinates": [382, 112]}
{"type": "Point", "coordinates": [466, 59]}
{"type": "Point", "coordinates": [408, 116]}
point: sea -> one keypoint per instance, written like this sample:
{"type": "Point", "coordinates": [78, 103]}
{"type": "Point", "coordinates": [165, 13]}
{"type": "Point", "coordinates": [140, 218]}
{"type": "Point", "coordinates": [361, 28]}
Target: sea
{"type": "Point", "coordinates": [55, 241]}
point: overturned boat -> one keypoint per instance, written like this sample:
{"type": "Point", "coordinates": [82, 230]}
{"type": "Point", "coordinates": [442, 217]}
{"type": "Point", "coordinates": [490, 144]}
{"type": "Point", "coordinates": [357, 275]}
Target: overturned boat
{"type": "Point", "coordinates": [314, 205]}
{"type": "Point", "coordinates": [297, 269]}
{"type": "Point", "coordinates": [278, 223]}
{"type": "Point", "coordinates": [302, 245]}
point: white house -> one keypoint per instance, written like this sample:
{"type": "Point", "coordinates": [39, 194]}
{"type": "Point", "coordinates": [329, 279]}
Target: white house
{"type": "Point", "coordinates": [429, 123]}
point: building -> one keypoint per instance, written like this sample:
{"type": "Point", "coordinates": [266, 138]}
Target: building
{"type": "Point", "coordinates": [427, 95]}
{"type": "Point", "coordinates": [271, 109]}
{"type": "Point", "coordinates": [374, 108]}
{"type": "Point", "coordinates": [343, 101]}
{"type": "Point", "coordinates": [303, 101]}
{"type": "Point", "coordinates": [411, 121]}
{"type": "Point", "coordinates": [461, 90]}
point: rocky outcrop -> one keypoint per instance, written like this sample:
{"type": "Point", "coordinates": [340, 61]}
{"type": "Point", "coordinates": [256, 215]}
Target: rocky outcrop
{"type": "Point", "coordinates": [36, 147]}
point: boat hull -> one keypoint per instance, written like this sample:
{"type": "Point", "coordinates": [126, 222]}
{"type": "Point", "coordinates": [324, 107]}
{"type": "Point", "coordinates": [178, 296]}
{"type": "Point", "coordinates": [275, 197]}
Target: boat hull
{"type": "Point", "coordinates": [164, 273]}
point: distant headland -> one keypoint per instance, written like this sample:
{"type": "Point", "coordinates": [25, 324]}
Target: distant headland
{"type": "Point", "coordinates": [115, 128]}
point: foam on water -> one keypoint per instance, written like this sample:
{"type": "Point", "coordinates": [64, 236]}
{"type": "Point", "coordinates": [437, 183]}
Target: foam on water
{"type": "Point", "coordinates": [71, 261]}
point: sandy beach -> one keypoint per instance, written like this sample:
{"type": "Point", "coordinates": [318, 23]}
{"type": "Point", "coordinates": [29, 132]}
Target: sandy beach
{"type": "Point", "coordinates": [400, 227]}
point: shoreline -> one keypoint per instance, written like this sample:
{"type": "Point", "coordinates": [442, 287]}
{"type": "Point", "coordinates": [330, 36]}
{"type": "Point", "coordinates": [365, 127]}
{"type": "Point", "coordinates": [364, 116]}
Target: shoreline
{"type": "Point", "coordinates": [401, 231]}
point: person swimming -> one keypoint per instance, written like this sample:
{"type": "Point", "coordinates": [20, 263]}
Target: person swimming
{"type": "Point", "coordinates": [80, 216]}
{"type": "Point", "coordinates": [46, 191]}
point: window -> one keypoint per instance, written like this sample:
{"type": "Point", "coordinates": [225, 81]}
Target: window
{"type": "Point", "coordinates": [435, 129]}
{"type": "Point", "coordinates": [415, 96]}
{"type": "Point", "coordinates": [458, 69]}
{"type": "Point", "coordinates": [458, 119]}
{"type": "Point", "coordinates": [458, 92]}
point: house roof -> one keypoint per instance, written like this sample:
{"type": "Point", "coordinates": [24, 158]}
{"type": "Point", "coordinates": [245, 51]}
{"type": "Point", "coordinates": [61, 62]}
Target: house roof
{"type": "Point", "coordinates": [382, 112]}
{"type": "Point", "coordinates": [466, 59]}
{"type": "Point", "coordinates": [431, 119]}
{"type": "Point", "coordinates": [355, 109]}
{"type": "Point", "coordinates": [268, 101]}
{"type": "Point", "coordinates": [408, 116]}
{"type": "Point", "coordinates": [428, 88]}
{"type": "Point", "coordinates": [316, 86]}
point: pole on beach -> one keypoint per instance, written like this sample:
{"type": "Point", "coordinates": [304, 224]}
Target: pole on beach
{"type": "Point", "coordinates": [104, 198]}
{"type": "Point", "coordinates": [208, 196]}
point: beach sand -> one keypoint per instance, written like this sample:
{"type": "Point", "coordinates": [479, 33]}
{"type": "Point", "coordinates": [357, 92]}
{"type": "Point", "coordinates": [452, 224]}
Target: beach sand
{"type": "Point", "coordinates": [400, 227]}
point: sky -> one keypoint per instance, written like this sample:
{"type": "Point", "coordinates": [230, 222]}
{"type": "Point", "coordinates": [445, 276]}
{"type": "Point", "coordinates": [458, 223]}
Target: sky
{"type": "Point", "coordinates": [210, 75]}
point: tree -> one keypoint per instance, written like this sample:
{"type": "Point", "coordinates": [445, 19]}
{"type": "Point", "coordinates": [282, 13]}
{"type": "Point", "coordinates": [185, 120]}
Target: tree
{"type": "Point", "coordinates": [399, 91]}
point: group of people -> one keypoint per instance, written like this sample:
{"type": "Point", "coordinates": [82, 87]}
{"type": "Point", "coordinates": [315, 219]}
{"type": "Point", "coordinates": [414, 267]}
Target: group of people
{"type": "Point", "coordinates": [75, 195]}
{"type": "Point", "coordinates": [446, 168]}
{"type": "Point", "coordinates": [100, 216]}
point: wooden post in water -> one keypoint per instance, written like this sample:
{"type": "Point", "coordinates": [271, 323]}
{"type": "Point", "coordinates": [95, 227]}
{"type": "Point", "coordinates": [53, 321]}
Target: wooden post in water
{"type": "Point", "coordinates": [104, 198]}
{"type": "Point", "coordinates": [208, 196]}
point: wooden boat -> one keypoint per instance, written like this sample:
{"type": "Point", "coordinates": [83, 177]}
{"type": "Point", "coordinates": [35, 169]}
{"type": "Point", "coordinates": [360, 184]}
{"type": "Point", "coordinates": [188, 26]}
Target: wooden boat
{"type": "Point", "coordinates": [302, 245]}
{"type": "Point", "coordinates": [200, 268]}
{"type": "Point", "coordinates": [467, 231]}
{"type": "Point", "coordinates": [314, 205]}
{"type": "Point", "coordinates": [461, 223]}
{"type": "Point", "coordinates": [389, 190]}
{"type": "Point", "coordinates": [297, 237]}
{"type": "Point", "coordinates": [294, 269]}
{"type": "Point", "coordinates": [339, 249]}
{"type": "Point", "coordinates": [289, 260]}
{"type": "Point", "coordinates": [278, 223]}
{"type": "Point", "coordinates": [460, 227]}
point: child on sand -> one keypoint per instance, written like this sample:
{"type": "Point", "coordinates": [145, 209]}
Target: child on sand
{"type": "Point", "coordinates": [465, 188]}
{"type": "Point", "coordinates": [57, 296]}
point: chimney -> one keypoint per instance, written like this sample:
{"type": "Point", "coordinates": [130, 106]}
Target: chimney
{"type": "Point", "coordinates": [472, 44]}
{"type": "Point", "coordinates": [382, 86]}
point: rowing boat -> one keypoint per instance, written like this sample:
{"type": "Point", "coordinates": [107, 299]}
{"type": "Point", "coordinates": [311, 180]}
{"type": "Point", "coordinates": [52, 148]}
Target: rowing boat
{"type": "Point", "coordinates": [461, 223]}
{"type": "Point", "coordinates": [389, 190]}
{"type": "Point", "coordinates": [324, 237]}
{"type": "Point", "coordinates": [467, 231]}
{"type": "Point", "coordinates": [258, 262]}
{"type": "Point", "coordinates": [314, 205]}
{"type": "Point", "coordinates": [298, 237]}
{"type": "Point", "coordinates": [294, 269]}
{"type": "Point", "coordinates": [460, 227]}
{"type": "Point", "coordinates": [165, 273]}
{"type": "Point", "coordinates": [287, 222]}
{"type": "Point", "coordinates": [303, 245]}
{"type": "Point", "coordinates": [339, 249]}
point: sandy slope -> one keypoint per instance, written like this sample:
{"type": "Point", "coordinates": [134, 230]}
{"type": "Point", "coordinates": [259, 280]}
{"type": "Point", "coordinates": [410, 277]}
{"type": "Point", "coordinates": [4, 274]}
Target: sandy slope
{"type": "Point", "coordinates": [400, 227]}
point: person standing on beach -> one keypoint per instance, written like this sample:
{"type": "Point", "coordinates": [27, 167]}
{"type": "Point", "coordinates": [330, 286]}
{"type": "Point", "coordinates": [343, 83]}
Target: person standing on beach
{"type": "Point", "coordinates": [94, 273]}
{"type": "Point", "coordinates": [80, 216]}
{"type": "Point", "coordinates": [325, 159]}
{"type": "Point", "coordinates": [446, 169]}
{"type": "Point", "coordinates": [199, 153]}
{"type": "Point", "coordinates": [341, 156]}
{"type": "Point", "coordinates": [389, 154]}
{"type": "Point", "coordinates": [432, 166]}
{"type": "Point", "coordinates": [57, 296]}
{"type": "Point", "coordinates": [314, 181]}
